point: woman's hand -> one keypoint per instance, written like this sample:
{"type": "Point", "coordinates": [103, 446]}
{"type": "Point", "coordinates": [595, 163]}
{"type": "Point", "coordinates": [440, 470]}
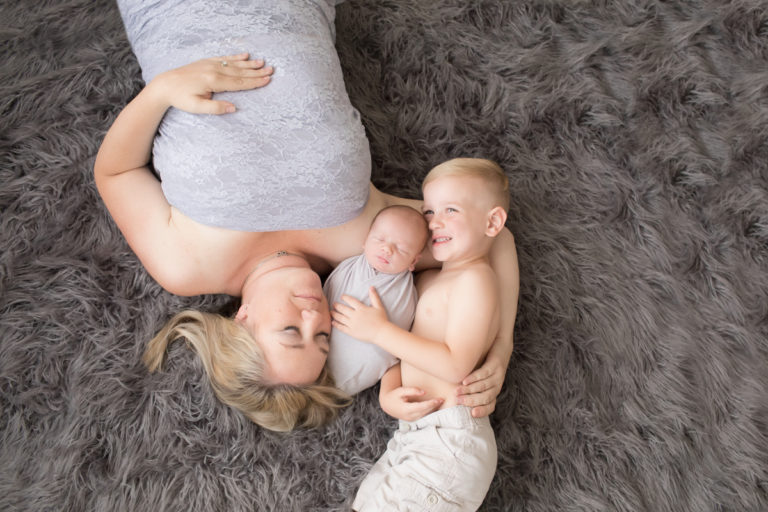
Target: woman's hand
{"type": "Point", "coordinates": [401, 403]}
{"type": "Point", "coordinates": [481, 387]}
{"type": "Point", "coordinates": [358, 320]}
{"type": "Point", "coordinates": [190, 88]}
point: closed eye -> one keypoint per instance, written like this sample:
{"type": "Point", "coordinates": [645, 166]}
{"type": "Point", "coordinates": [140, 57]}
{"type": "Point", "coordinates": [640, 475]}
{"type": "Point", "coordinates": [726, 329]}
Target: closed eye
{"type": "Point", "coordinates": [321, 339]}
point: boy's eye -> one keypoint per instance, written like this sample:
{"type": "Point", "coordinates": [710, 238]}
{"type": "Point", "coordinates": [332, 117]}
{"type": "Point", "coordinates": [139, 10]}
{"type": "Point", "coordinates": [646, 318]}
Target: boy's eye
{"type": "Point", "coordinates": [428, 212]}
{"type": "Point", "coordinates": [451, 210]}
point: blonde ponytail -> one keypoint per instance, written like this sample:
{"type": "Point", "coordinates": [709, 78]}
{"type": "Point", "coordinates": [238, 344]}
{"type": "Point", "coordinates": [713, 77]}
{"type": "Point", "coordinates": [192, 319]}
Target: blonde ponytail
{"type": "Point", "coordinates": [235, 366]}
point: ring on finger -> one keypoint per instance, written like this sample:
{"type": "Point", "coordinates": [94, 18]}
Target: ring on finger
{"type": "Point", "coordinates": [224, 63]}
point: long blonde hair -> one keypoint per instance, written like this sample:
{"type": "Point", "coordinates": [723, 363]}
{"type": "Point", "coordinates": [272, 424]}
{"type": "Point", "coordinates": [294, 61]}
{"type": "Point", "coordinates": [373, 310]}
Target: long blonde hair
{"type": "Point", "coordinates": [235, 366]}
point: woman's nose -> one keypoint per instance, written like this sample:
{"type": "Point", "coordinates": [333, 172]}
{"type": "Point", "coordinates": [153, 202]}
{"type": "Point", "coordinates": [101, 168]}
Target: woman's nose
{"type": "Point", "coordinates": [311, 318]}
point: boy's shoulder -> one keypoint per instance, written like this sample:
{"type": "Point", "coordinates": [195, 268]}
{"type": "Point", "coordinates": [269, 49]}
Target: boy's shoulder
{"type": "Point", "coordinates": [479, 269]}
{"type": "Point", "coordinates": [478, 276]}
{"type": "Point", "coordinates": [480, 272]}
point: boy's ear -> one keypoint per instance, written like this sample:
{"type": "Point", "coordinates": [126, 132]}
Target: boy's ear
{"type": "Point", "coordinates": [497, 217]}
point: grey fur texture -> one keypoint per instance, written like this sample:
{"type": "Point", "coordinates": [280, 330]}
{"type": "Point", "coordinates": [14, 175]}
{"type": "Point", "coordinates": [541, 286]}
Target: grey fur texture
{"type": "Point", "coordinates": [634, 134]}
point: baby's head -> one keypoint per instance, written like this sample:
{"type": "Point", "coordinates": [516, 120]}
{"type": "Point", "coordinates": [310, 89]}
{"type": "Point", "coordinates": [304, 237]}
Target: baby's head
{"type": "Point", "coordinates": [397, 236]}
{"type": "Point", "coordinates": [465, 204]}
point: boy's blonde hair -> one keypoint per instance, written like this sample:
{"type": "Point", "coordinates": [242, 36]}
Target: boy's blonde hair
{"type": "Point", "coordinates": [235, 366]}
{"type": "Point", "coordinates": [488, 170]}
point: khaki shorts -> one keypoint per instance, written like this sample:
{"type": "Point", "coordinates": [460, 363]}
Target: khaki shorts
{"type": "Point", "coordinates": [443, 462]}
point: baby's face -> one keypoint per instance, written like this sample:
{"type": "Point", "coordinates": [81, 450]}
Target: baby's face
{"type": "Point", "coordinates": [394, 243]}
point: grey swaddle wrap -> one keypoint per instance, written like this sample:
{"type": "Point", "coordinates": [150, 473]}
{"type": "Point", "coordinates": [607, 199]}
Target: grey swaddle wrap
{"type": "Point", "coordinates": [295, 154]}
{"type": "Point", "coordinates": [356, 365]}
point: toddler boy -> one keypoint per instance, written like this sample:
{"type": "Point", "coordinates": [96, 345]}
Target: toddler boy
{"type": "Point", "coordinates": [446, 459]}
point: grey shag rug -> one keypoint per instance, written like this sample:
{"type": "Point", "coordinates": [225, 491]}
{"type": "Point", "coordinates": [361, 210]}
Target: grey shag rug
{"type": "Point", "coordinates": [635, 136]}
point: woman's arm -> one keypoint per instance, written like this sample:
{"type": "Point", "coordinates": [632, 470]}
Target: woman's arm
{"type": "Point", "coordinates": [480, 388]}
{"type": "Point", "coordinates": [130, 191]}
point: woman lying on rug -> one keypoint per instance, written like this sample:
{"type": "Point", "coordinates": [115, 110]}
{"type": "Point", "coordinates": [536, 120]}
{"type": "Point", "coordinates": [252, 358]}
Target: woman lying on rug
{"type": "Point", "coordinates": [254, 201]}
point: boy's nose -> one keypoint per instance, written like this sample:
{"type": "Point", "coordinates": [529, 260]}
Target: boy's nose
{"type": "Point", "coordinates": [435, 222]}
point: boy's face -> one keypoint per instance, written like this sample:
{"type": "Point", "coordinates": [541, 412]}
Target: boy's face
{"type": "Point", "coordinates": [394, 243]}
{"type": "Point", "coordinates": [456, 208]}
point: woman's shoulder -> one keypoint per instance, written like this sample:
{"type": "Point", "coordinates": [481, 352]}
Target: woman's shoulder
{"type": "Point", "coordinates": [196, 259]}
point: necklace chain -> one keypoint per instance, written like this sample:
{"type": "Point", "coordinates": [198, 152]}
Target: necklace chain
{"type": "Point", "coordinates": [278, 254]}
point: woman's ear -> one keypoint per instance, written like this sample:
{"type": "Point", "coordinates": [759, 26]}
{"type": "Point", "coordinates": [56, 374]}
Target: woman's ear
{"type": "Point", "coordinates": [242, 314]}
{"type": "Point", "coordinates": [497, 217]}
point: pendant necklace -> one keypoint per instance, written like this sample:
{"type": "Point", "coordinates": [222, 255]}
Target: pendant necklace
{"type": "Point", "coordinates": [278, 254]}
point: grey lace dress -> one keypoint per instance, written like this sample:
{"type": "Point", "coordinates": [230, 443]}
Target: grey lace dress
{"type": "Point", "coordinates": [295, 154]}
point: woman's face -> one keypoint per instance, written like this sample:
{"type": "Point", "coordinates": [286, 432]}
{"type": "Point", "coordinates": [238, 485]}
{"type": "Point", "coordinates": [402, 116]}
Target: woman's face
{"type": "Point", "coordinates": [288, 315]}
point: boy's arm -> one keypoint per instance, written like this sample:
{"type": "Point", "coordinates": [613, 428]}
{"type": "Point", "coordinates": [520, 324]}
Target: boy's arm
{"type": "Point", "coordinates": [480, 388]}
{"type": "Point", "coordinates": [473, 302]}
{"type": "Point", "coordinates": [402, 403]}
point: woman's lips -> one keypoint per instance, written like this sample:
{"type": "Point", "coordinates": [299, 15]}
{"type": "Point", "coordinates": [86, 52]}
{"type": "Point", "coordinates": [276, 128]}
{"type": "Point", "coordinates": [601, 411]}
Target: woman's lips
{"type": "Point", "coordinates": [307, 296]}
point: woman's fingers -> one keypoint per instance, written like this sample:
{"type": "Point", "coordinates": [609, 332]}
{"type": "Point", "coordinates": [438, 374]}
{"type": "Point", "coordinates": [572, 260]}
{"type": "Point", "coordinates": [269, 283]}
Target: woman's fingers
{"type": "Point", "coordinates": [475, 398]}
{"type": "Point", "coordinates": [204, 106]}
{"type": "Point", "coordinates": [482, 373]}
{"type": "Point", "coordinates": [236, 56]}
{"type": "Point", "coordinates": [234, 63]}
{"type": "Point", "coordinates": [191, 88]}
{"type": "Point", "coordinates": [238, 79]}
{"type": "Point", "coordinates": [483, 410]}
{"type": "Point", "coordinates": [236, 73]}
{"type": "Point", "coordinates": [475, 387]}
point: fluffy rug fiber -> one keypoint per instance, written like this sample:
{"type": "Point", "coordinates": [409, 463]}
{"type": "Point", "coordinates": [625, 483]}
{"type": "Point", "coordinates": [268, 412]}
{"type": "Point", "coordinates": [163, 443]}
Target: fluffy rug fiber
{"type": "Point", "coordinates": [635, 136]}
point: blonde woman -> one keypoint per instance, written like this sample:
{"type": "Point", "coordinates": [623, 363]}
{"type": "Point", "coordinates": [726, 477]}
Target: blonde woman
{"type": "Point", "coordinates": [264, 185]}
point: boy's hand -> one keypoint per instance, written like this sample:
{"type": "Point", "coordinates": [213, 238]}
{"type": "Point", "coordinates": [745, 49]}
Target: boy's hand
{"type": "Point", "coordinates": [358, 320]}
{"type": "Point", "coordinates": [481, 387]}
{"type": "Point", "coordinates": [401, 403]}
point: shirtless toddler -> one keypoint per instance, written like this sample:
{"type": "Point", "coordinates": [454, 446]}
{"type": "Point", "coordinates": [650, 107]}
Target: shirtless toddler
{"type": "Point", "coordinates": [446, 459]}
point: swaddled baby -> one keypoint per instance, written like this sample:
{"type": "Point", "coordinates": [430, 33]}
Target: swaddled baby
{"type": "Point", "coordinates": [397, 236]}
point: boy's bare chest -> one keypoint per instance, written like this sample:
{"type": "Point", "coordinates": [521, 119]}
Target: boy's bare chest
{"type": "Point", "coordinates": [432, 307]}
